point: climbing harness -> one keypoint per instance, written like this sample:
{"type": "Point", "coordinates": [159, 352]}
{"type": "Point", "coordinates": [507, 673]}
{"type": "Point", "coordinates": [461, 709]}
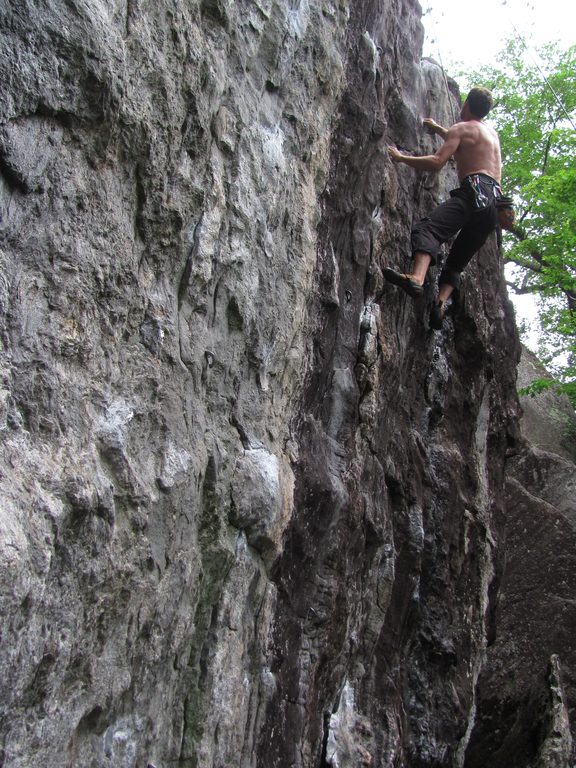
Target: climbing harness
{"type": "Point", "coordinates": [475, 185]}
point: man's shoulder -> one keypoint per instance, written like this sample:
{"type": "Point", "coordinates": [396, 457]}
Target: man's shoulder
{"type": "Point", "coordinates": [455, 127]}
{"type": "Point", "coordinates": [474, 130]}
{"type": "Point", "coordinates": [460, 129]}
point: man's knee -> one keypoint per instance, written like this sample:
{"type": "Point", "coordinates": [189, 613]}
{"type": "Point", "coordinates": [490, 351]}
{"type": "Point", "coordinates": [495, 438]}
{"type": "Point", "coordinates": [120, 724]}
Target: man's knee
{"type": "Point", "coordinates": [423, 241]}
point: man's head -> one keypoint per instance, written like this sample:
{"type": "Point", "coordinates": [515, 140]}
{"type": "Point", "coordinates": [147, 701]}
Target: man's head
{"type": "Point", "coordinates": [479, 102]}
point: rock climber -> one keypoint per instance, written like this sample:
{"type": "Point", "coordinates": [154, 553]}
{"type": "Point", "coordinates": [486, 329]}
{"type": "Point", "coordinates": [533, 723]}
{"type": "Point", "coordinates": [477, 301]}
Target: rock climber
{"type": "Point", "coordinates": [471, 208]}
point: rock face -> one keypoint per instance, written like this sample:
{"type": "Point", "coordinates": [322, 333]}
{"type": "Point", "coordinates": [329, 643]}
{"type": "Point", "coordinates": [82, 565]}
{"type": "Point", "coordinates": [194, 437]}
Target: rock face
{"type": "Point", "coordinates": [252, 507]}
{"type": "Point", "coordinates": [548, 420]}
{"type": "Point", "coordinates": [527, 690]}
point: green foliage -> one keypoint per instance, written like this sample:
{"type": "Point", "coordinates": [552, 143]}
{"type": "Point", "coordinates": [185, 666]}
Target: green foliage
{"type": "Point", "coordinates": [535, 116]}
{"type": "Point", "coordinates": [538, 386]}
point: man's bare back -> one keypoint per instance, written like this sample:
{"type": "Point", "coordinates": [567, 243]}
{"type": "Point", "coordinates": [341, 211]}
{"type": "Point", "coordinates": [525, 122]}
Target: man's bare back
{"type": "Point", "coordinates": [478, 149]}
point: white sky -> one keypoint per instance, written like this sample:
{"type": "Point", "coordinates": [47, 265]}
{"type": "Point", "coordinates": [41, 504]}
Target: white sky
{"type": "Point", "coordinates": [462, 31]}
{"type": "Point", "coordinates": [461, 34]}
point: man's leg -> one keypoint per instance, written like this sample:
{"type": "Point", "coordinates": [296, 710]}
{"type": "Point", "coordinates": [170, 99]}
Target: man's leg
{"type": "Point", "coordinates": [421, 263]}
{"type": "Point", "coordinates": [438, 310]}
{"type": "Point", "coordinates": [411, 282]}
{"type": "Point", "coordinates": [428, 235]}
{"type": "Point", "coordinates": [431, 232]}
{"type": "Point", "coordinates": [469, 241]}
{"type": "Point", "coordinates": [445, 290]}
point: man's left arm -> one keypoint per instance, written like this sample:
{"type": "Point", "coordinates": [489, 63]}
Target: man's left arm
{"type": "Point", "coordinates": [433, 162]}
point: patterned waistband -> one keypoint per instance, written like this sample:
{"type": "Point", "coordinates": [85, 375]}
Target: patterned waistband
{"type": "Point", "coordinates": [482, 176]}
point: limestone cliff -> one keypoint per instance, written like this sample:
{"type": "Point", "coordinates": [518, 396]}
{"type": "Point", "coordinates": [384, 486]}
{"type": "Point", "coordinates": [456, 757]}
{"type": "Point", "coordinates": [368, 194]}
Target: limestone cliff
{"type": "Point", "coordinates": [252, 506]}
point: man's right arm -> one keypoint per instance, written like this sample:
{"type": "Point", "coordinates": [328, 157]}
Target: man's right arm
{"type": "Point", "coordinates": [434, 127]}
{"type": "Point", "coordinates": [434, 162]}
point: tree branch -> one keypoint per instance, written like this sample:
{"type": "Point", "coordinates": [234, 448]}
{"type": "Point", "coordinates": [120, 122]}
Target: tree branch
{"type": "Point", "coordinates": [536, 268]}
{"type": "Point", "coordinates": [523, 290]}
{"type": "Point", "coordinates": [546, 151]}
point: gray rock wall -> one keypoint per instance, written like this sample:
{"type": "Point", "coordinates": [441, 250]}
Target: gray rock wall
{"type": "Point", "coordinates": [250, 502]}
{"type": "Point", "coordinates": [161, 171]}
{"type": "Point", "coordinates": [548, 419]}
{"type": "Point", "coordinates": [526, 701]}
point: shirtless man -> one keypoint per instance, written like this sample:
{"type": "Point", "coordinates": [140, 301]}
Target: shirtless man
{"type": "Point", "coordinates": [470, 209]}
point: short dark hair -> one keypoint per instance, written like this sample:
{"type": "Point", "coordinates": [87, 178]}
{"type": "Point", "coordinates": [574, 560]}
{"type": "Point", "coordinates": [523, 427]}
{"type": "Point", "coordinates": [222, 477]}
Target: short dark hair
{"type": "Point", "coordinates": [480, 102]}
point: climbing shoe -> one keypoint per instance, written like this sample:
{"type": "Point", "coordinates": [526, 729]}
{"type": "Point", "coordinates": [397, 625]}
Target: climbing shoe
{"type": "Point", "coordinates": [437, 315]}
{"type": "Point", "coordinates": [403, 281]}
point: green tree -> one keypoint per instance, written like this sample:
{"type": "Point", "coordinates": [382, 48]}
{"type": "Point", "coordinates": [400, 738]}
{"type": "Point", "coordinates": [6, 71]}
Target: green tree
{"type": "Point", "coordinates": [535, 116]}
